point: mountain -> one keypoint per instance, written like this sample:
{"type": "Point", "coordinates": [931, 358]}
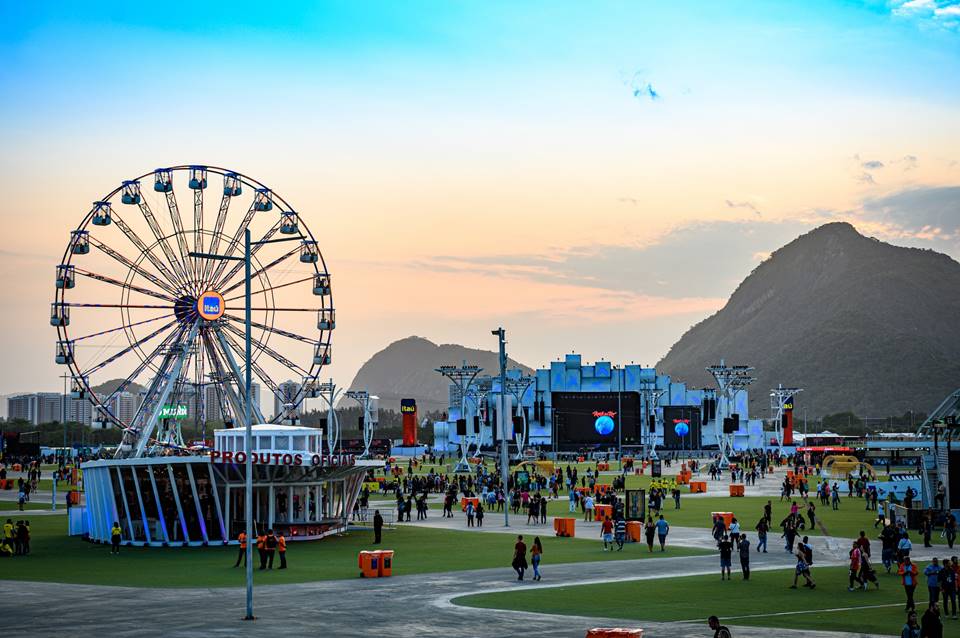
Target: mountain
{"type": "Point", "coordinates": [861, 325]}
{"type": "Point", "coordinates": [405, 369]}
{"type": "Point", "coordinates": [108, 387]}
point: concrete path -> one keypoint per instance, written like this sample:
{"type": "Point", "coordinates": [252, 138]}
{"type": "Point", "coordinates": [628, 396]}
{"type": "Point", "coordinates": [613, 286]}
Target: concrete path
{"type": "Point", "coordinates": [400, 606]}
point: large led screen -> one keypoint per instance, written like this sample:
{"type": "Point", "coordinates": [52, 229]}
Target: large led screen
{"type": "Point", "coordinates": [592, 418]}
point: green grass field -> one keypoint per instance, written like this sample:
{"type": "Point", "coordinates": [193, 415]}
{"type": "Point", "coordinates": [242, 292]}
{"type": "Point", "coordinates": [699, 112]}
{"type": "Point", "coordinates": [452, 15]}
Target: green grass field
{"type": "Point", "coordinates": [58, 558]}
{"type": "Point", "coordinates": [765, 600]}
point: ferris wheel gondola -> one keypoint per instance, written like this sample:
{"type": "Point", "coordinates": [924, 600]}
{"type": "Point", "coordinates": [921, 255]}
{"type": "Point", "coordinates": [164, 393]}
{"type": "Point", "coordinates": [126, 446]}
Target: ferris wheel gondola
{"type": "Point", "coordinates": [135, 305]}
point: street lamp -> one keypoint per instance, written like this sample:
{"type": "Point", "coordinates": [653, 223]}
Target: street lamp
{"type": "Point", "coordinates": [500, 333]}
{"type": "Point", "coordinates": [248, 397]}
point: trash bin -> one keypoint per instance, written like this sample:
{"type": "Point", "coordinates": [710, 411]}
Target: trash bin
{"type": "Point", "coordinates": [385, 562]}
{"type": "Point", "coordinates": [369, 563]}
{"type": "Point", "coordinates": [634, 530]}
{"type": "Point", "coordinates": [736, 489]}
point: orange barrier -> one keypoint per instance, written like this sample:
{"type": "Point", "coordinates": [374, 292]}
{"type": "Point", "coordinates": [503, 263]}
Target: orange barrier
{"type": "Point", "coordinates": [614, 632]}
{"type": "Point", "coordinates": [683, 478]}
{"type": "Point", "coordinates": [386, 563]}
{"type": "Point", "coordinates": [601, 511]}
{"type": "Point", "coordinates": [74, 498]}
{"type": "Point", "coordinates": [726, 516]}
{"type": "Point", "coordinates": [469, 499]}
{"type": "Point", "coordinates": [634, 530]}
{"type": "Point", "coordinates": [698, 487]}
{"type": "Point", "coordinates": [603, 467]}
{"type": "Point", "coordinates": [736, 489]}
{"type": "Point", "coordinates": [565, 527]}
{"type": "Point", "coordinates": [602, 488]}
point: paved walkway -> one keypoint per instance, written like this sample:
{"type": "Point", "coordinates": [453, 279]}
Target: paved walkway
{"type": "Point", "coordinates": [400, 606]}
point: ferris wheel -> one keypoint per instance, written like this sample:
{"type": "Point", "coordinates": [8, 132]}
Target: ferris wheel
{"type": "Point", "coordinates": [136, 307]}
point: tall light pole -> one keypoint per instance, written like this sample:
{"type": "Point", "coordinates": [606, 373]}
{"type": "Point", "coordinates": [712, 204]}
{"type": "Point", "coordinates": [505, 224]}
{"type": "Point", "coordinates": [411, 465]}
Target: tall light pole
{"type": "Point", "coordinates": [248, 397]}
{"type": "Point", "coordinates": [504, 461]}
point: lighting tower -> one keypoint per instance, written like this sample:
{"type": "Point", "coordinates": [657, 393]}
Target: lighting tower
{"type": "Point", "coordinates": [477, 393]}
{"type": "Point", "coordinates": [518, 387]}
{"type": "Point", "coordinates": [370, 416]}
{"type": "Point", "coordinates": [779, 398]}
{"type": "Point", "coordinates": [461, 377]}
{"type": "Point", "coordinates": [651, 396]}
{"type": "Point", "coordinates": [329, 392]}
{"type": "Point", "coordinates": [730, 381]}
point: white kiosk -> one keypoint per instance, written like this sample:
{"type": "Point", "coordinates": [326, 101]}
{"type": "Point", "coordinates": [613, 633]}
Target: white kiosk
{"type": "Point", "coordinates": [199, 499]}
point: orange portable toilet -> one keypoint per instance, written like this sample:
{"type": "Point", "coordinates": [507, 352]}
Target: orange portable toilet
{"type": "Point", "coordinates": [385, 563]}
{"type": "Point", "coordinates": [564, 527]}
{"type": "Point", "coordinates": [369, 563]}
{"type": "Point", "coordinates": [736, 489]}
{"type": "Point", "coordinates": [634, 530]}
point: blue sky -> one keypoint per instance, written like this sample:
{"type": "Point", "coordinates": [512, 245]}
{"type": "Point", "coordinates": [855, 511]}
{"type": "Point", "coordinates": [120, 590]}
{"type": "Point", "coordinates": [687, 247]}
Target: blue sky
{"type": "Point", "coordinates": [536, 152]}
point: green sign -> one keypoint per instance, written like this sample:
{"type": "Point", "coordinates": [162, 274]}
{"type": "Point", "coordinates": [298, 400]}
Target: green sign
{"type": "Point", "coordinates": [173, 412]}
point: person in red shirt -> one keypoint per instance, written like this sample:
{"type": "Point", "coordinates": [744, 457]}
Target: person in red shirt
{"type": "Point", "coordinates": [855, 567]}
{"type": "Point", "coordinates": [606, 532]}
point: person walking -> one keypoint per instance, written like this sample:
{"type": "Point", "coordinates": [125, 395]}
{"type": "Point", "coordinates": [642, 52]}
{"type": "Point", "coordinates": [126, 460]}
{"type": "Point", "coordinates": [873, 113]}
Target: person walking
{"type": "Point", "coordinates": [536, 552]}
{"type": "Point", "coordinates": [519, 563]}
{"type": "Point", "coordinates": [663, 528]}
{"type": "Point", "coordinates": [932, 572]}
{"type": "Point", "coordinates": [242, 539]}
{"type": "Point", "coordinates": [377, 526]}
{"type": "Point", "coordinates": [745, 556]}
{"type": "Point", "coordinates": [854, 573]}
{"type": "Point", "coordinates": [606, 532]}
{"type": "Point", "coordinates": [479, 515]}
{"type": "Point", "coordinates": [908, 576]}
{"type": "Point", "coordinates": [620, 532]}
{"type": "Point", "coordinates": [948, 587]}
{"type": "Point", "coordinates": [115, 533]}
{"type": "Point", "coordinates": [470, 514]}
{"type": "Point", "coordinates": [588, 508]}
{"type": "Point", "coordinates": [735, 532]}
{"type": "Point", "coordinates": [888, 544]}
{"type": "Point", "coordinates": [762, 528]}
{"type": "Point", "coordinates": [726, 552]}
{"type": "Point", "coordinates": [649, 530]}
{"type": "Point", "coordinates": [282, 550]}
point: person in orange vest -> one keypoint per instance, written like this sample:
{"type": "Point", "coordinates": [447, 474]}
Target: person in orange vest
{"type": "Point", "coordinates": [243, 550]}
{"type": "Point", "coordinates": [262, 548]}
{"type": "Point", "coordinates": [282, 550]}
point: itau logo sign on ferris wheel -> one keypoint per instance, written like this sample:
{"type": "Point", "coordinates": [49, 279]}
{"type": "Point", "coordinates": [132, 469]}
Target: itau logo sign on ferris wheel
{"type": "Point", "coordinates": [210, 305]}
